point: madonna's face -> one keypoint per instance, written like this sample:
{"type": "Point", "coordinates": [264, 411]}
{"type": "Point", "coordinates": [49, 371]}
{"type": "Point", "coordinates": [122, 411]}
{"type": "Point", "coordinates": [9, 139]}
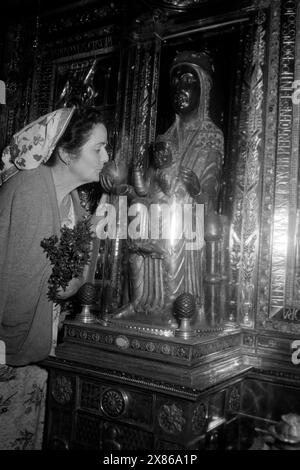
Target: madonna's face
{"type": "Point", "coordinates": [92, 156]}
{"type": "Point", "coordinates": [185, 89]}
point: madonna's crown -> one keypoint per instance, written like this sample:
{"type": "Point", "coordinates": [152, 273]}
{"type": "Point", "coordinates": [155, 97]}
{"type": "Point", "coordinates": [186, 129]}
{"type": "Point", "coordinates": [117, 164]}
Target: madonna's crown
{"type": "Point", "coordinates": [200, 59]}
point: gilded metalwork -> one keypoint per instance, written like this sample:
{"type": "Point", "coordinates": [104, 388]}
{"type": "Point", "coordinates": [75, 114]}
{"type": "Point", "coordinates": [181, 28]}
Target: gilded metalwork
{"type": "Point", "coordinates": [279, 374]}
{"type": "Point", "coordinates": [91, 15]}
{"type": "Point", "coordinates": [267, 342]}
{"type": "Point", "coordinates": [143, 328]}
{"type": "Point", "coordinates": [79, 89]}
{"type": "Point", "coordinates": [167, 332]}
{"type": "Point", "coordinates": [98, 45]}
{"type": "Point", "coordinates": [216, 346]}
{"type": "Point", "coordinates": [171, 418]}
{"type": "Point", "coordinates": [179, 5]}
{"type": "Point", "coordinates": [268, 169]}
{"type": "Point", "coordinates": [77, 55]}
{"type": "Point", "coordinates": [122, 342]}
{"type": "Point", "coordinates": [246, 210]}
{"type": "Point", "coordinates": [155, 385]}
{"type": "Point", "coordinates": [159, 348]}
{"type": "Point", "coordinates": [284, 326]}
{"type": "Point", "coordinates": [293, 275]}
{"type": "Point", "coordinates": [134, 344]}
{"type": "Point", "coordinates": [237, 172]}
{"type": "Point", "coordinates": [284, 180]}
{"type": "Point", "coordinates": [251, 209]}
{"type": "Point", "coordinates": [259, 4]}
{"type": "Point", "coordinates": [145, 88]}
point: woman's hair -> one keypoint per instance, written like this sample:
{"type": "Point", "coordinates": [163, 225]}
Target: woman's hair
{"type": "Point", "coordinates": [78, 130]}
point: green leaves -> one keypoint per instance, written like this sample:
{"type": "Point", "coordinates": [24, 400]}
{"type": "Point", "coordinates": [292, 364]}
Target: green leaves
{"type": "Point", "coordinates": [68, 255]}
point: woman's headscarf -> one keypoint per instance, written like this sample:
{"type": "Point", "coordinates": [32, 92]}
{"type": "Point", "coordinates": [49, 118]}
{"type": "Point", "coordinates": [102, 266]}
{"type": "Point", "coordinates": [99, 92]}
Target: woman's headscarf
{"type": "Point", "coordinates": [34, 144]}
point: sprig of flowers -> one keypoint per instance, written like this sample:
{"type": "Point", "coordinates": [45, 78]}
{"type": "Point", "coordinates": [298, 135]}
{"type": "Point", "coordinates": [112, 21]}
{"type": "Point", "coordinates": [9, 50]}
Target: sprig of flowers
{"type": "Point", "coordinates": [68, 255]}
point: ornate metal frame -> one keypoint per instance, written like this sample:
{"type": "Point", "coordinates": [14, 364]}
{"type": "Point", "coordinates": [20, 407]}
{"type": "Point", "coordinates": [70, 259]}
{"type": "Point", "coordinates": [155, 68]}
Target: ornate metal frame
{"type": "Point", "coordinates": [247, 137]}
{"type": "Point", "coordinates": [278, 299]}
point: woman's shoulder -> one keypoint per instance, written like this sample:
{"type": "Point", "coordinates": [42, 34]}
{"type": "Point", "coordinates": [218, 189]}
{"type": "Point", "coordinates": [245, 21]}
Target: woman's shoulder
{"type": "Point", "coordinates": [28, 198]}
{"type": "Point", "coordinates": [25, 181]}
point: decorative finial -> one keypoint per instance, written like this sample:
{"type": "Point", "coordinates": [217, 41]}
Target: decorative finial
{"type": "Point", "coordinates": [184, 310]}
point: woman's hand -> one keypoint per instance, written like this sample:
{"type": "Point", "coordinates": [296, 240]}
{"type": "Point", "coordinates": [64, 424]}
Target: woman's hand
{"type": "Point", "coordinates": [71, 289]}
{"type": "Point", "coordinates": [73, 286]}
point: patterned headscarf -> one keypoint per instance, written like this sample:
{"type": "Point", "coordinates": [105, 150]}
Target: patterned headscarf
{"type": "Point", "coordinates": [34, 144]}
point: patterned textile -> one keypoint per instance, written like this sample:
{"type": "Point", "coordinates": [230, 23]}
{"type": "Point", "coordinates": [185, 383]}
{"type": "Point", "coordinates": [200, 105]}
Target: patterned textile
{"type": "Point", "coordinates": [22, 407]}
{"type": "Point", "coordinates": [34, 144]}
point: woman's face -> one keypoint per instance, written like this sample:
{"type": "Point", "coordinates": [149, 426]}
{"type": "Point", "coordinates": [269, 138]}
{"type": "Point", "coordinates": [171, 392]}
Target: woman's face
{"type": "Point", "coordinates": [91, 157]}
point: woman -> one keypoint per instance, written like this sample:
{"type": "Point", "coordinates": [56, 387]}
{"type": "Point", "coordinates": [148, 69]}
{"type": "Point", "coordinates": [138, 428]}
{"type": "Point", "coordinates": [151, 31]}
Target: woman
{"type": "Point", "coordinates": [35, 201]}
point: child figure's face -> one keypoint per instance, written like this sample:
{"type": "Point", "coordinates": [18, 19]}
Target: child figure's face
{"type": "Point", "coordinates": [162, 154]}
